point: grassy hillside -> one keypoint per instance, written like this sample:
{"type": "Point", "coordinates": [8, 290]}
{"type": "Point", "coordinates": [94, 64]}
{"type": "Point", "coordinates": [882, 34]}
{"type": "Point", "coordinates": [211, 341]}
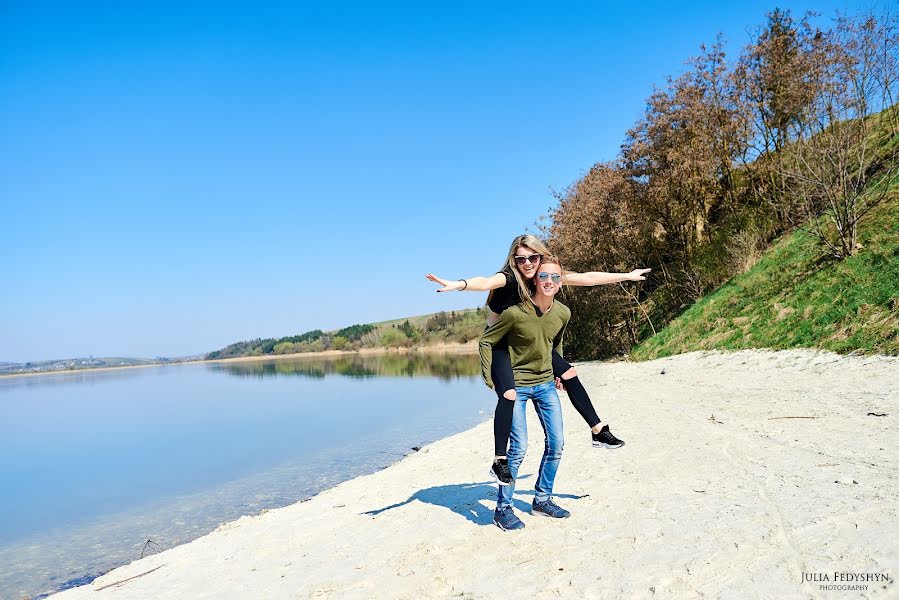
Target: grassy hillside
{"type": "Point", "coordinates": [795, 297]}
{"type": "Point", "coordinates": [420, 321]}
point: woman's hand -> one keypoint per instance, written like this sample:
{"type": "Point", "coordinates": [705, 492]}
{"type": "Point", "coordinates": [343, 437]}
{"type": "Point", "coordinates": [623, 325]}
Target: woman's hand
{"type": "Point", "coordinates": [472, 284]}
{"type": "Point", "coordinates": [448, 285]}
{"type": "Point", "coordinates": [637, 275]}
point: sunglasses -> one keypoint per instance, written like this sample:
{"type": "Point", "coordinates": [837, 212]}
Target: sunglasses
{"type": "Point", "coordinates": [556, 278]}
{"type": "Point", "coordinates": [533, 259]}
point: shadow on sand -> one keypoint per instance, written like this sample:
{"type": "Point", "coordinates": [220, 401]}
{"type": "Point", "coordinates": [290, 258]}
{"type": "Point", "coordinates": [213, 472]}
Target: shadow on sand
{"type": "Point", "coordinates": [466, 500]}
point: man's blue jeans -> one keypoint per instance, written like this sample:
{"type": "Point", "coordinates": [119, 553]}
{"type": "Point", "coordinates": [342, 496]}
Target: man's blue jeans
{"type": "Point", "coordinates": [549, 411]}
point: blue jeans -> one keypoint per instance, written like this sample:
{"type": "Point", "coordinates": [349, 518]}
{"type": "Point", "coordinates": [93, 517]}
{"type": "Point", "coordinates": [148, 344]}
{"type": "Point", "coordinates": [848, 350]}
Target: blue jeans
{"type": "Point", "coordinates": [549, 411]}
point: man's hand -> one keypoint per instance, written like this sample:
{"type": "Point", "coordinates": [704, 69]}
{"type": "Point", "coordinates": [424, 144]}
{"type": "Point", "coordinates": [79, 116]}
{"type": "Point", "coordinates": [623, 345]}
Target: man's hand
{"type": "Point", "coordinates": [637, 275]}
{"type": "Point", "coordinates": [559, 385]}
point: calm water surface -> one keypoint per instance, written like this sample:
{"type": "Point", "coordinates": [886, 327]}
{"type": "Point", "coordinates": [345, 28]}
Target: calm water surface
{"type": "Point", "coordinates": [92, 465]}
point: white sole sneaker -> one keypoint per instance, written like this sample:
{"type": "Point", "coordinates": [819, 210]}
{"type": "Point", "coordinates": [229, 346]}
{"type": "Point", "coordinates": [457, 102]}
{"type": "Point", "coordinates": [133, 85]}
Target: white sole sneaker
{"type": "Point", "coordinates": [610, 446]}
{"type": "Point", "coordinates": [490, 473]}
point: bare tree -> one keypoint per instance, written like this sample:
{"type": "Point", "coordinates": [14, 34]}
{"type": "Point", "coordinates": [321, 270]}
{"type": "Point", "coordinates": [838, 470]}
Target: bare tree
{"type": "Point", "coordinates": [775, 83]}
{"type": "Point", "coordinates": [837, 171]}
{"type": "Point", "coordinates": [593, 228]}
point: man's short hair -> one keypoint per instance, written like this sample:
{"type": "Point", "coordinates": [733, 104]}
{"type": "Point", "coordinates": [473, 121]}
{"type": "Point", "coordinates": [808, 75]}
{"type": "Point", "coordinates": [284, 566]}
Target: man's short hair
{"type": "Point", "coordinates": [551, 259]}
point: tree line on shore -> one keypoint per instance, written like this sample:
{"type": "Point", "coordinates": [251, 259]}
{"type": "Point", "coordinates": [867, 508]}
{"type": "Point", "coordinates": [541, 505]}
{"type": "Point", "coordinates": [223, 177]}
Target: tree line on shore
{"type": "Point", "coordinates": [452, 327]}
{"type": "Point", "coordinates": [800, 131]}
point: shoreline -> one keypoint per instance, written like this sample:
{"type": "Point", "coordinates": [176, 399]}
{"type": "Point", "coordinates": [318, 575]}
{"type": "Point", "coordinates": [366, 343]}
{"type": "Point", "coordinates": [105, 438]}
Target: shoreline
{"type": "Point", "coordinates": [776, 469]}
{"type": "Point", "coordinates": [467, 348]}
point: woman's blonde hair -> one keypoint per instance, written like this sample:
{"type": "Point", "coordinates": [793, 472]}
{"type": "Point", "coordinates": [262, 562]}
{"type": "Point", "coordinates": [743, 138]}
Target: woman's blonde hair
{"type": "Point", "coordinates": [526, 241]}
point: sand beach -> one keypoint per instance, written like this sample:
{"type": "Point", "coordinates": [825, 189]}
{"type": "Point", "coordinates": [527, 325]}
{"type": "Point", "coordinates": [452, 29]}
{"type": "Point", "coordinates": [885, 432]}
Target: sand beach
{"type": "Point", "coordinates": [753, 474]}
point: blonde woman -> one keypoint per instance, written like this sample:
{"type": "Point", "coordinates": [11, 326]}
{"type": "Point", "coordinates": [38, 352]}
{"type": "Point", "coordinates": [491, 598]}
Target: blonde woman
{"type": "Point", "coordinates": [512, 285]}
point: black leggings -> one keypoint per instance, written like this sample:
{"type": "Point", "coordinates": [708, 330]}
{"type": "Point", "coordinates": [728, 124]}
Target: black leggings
{"type": "Point", "coordinates": [504, 380]}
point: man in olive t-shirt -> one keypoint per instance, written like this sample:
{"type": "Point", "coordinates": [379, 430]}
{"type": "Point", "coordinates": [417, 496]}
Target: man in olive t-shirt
{"type": "Point", "coordinates": [532, 330]}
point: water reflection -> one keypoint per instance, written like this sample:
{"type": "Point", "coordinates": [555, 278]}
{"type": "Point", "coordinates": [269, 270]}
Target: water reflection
{"type": "Point", "coordinates": [94, 464]}
{"type": "Point", "coordinates": [63, 379]}
{"type": "Point", "coordinates": [445, 367]}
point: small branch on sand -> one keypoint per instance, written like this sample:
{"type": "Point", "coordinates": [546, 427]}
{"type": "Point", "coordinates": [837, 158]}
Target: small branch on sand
{"type": "Point", "coordinates": [772, 418]}
{"type": "Point", "coordinates": [128, 579]}
{"type": "Point", "coordinates": [152, 546]}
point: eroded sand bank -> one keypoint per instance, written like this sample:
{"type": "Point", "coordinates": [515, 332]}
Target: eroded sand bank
{"type": "Point", "coordinates": [741, 472]}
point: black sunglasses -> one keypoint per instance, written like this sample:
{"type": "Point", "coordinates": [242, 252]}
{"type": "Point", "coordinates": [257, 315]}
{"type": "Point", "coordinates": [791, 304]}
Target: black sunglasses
{"type": "Point", "coordinates": [533, 259]}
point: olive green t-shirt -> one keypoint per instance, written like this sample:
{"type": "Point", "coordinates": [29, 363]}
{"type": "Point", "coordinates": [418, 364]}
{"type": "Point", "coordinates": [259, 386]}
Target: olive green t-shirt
{"type": "Point", "coordinates": [531, 338]}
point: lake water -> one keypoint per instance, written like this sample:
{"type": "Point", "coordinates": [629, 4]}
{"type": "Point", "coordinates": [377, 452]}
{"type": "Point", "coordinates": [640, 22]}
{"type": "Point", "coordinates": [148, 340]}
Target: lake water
{"type": "Point", "coordinates": [93, 465]}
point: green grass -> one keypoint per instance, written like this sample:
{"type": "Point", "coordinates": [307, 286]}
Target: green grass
{"type": "Point", "coordinates": [795, 297]}
{"type": "Point", "coordinates": [418, 320]}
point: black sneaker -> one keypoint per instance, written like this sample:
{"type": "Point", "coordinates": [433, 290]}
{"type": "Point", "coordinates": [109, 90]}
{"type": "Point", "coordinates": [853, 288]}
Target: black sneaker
{"type": "Point", "coordinates": [499, 470]}
{"type": "Point", "coordinates": [505, 519]}
{"type": "Point", "coordinates": [605, 439]}
{"type": "Point", "coordinates": [548, 508]}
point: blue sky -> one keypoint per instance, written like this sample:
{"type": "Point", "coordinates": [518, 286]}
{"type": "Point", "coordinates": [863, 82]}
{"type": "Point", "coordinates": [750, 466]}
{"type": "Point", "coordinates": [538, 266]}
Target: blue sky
{"type": "Point", "coordinates": [176, 176]}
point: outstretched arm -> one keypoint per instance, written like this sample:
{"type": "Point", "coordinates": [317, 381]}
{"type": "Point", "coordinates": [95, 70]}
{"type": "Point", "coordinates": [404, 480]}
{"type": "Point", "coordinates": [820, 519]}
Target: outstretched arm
{"type": "Point", "coordinates": [600, 278]}
{"type": "Point", "coordinates": [474, 284]}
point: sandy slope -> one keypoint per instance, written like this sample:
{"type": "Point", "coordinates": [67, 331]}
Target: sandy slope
{"type": "Point", "coordinates": [715, 495]}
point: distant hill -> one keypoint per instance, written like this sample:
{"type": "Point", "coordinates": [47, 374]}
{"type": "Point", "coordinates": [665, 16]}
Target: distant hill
{"type": "Point", "coordinates": [76, 364]}
{"type": "Point", "coordinates": [406, 332]}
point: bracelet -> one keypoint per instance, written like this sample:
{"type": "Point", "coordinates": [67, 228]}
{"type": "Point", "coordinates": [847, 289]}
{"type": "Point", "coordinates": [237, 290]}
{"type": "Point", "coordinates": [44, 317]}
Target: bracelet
{"type": "Point", "coordinates": [465, 282]}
